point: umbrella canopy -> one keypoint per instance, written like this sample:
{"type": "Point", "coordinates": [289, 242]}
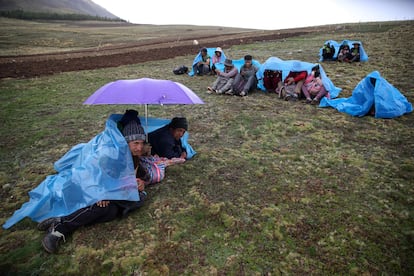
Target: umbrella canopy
{"type": "Point", "coordinates": [143, 91]}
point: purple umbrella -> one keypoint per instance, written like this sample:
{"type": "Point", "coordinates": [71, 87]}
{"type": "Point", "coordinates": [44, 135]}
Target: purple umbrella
{"type": "Point", "coordinates": [143, 91]}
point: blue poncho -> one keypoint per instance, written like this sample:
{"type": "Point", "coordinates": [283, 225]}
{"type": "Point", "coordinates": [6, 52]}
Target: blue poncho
{"type": "Point", "coordinates": [211, 53]}
{"type": "Point", "coordinates": [89, 172]}
{"type": "Point", "coordinates": [386, 99]}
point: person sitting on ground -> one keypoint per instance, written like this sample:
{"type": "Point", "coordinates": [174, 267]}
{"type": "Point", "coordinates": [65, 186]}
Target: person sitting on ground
{"type": "Point", "coordinates": [312, 88]}
{"type": "Point", "coordinates": [354, 54]}
{"type": "Point", "coordinates": [328, 51]}
{"type": "Point", "coordinates": [58, 228]}
{"type": "Point", "coordinates": [166, 141]}
{"type": "Point", "coordinates": [246, 80]}
{"type": "Point", "coordinates": [202, 67]}
{"type": "Point", "coordinates": [224, 79]}
{"type": "Point", "coordinates": [217, 58]}
{"type": "Point", "coordinates": [291, 88]}
{"type": "Point", "coordinates": [344, 52]}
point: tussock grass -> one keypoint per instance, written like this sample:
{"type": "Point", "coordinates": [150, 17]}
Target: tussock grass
{"type": "Point", "coordinates": [275, 188]}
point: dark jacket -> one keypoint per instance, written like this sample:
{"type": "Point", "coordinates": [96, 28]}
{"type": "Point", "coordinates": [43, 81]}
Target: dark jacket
{"type": "Point", "coordinates": [163, 143]}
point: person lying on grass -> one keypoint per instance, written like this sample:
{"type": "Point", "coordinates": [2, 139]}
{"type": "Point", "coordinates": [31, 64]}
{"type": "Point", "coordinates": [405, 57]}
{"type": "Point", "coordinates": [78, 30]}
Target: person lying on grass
{"type": "Point", "coordinates": [59, 228]}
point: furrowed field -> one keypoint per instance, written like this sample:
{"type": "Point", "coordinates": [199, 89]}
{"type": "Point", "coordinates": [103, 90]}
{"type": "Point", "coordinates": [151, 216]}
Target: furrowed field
{"type": "Point", "coordinates": [276, 187]}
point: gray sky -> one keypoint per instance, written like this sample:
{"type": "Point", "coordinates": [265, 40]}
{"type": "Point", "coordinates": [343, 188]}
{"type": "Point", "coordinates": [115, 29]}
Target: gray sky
{"type": "Point", "coordinates": [259, 14]}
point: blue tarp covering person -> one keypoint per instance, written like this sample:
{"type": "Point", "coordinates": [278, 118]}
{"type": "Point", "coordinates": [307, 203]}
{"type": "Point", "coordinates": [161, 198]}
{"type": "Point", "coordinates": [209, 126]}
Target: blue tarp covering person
{"type": "Point", "coordinates": [337, 47]}
{"type": "Point", "coordinates": [286, 66]}
{"type": "Point", "coordinates": [210, 52]}
{"type": "Point", "coordinates": [372, 96]}
{"type": "Point", "coordinates": [103, 168]}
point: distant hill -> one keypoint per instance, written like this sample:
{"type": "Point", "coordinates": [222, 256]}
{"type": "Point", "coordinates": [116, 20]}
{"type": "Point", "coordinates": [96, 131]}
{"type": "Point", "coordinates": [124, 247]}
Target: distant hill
{"type": "Point", "coordinates": [85, 7]}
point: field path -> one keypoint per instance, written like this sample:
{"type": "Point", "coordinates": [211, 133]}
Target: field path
{"type": "Point", "coordinates": [27, 66]}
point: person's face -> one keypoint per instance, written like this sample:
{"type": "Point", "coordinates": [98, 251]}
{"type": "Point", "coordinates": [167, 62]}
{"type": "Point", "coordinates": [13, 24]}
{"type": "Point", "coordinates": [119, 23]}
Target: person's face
{"type": "Point", "coordinates": [203, 53]}
{"type": "Point", "coordinates": [136, 147]}
{"type": "Point", "coordinates": [218, 54]}
{"type": "Point", "coordinates": [177, 133]}
{"type": "Point", "coordinates": [248, 63]}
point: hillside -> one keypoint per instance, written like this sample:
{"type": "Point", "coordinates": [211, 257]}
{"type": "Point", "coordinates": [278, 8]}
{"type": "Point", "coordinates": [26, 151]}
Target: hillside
{"type": "Point", "coordinates": [57, 6]}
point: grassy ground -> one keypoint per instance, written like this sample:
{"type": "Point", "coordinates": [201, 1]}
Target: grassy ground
{"type": "Point", "coordinates": [275, 188]}
{"type": "Point", "coordinates": [19, 37]}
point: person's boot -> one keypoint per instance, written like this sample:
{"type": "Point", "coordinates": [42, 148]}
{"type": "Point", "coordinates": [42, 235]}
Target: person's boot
{"type": "Point", "coordinates": [47, 223]}
{"type": "Point", "coordinates": [51, 241]}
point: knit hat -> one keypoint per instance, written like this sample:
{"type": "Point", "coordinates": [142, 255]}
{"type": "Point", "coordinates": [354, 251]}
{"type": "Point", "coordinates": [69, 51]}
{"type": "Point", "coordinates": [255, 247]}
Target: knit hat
{"type": "Point", "coordinates": [179, 122]}
{"type": "Point", "coordinates": [129, 115]}
{"type": "Point", "coordinates": [133, 131]}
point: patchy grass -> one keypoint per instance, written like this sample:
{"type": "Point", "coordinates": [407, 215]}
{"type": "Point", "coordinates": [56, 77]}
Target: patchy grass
{"type": "Point", "coordinates": [275, 188]}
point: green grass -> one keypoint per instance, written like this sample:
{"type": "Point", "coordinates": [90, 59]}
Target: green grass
{"type": "Point", "coordinates": [275, 188]}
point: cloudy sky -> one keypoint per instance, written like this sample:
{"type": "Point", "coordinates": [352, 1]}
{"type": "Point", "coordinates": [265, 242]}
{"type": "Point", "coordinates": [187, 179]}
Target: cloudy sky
{"type": "Point", "coordinates": [258, 14]}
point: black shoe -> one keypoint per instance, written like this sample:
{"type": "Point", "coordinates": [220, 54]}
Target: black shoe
{"type": "Point", "coordinates": [51, 241]}
{"type": "Point", "coordinates": [47, 223]}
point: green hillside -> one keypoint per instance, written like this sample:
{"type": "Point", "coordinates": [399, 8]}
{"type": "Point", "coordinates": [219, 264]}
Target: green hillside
{"type": "Point", "coordinates": [85, 7]}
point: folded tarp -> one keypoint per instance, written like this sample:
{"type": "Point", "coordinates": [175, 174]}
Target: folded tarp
{"type": "Point", "coordinates": [337, 45]}
{"type": "Point", "coordinates": [285, 66]}
{"type": "Point", "coordinates": [211, 53]}
{"type": "Point", "coordinates": [89, 172]}
{"type": "Point", "coordinates": [372, 91]}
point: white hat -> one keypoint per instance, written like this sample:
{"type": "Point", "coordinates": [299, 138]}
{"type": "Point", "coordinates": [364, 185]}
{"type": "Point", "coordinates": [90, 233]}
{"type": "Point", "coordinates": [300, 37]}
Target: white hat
{"type": "Point", "coordinates": [218, 49]}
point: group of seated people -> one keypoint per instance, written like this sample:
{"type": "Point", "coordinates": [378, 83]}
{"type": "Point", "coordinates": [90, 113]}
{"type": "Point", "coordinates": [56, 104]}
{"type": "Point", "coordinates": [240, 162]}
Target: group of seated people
{"type": "Point", "coordinates": [345, 53]}
{"type": "Point", "coordinates": [298, 85]}
{"type": "Point", "coordinates": [150, 159]}
{"type": "Point", "coordinates": [232, 80]}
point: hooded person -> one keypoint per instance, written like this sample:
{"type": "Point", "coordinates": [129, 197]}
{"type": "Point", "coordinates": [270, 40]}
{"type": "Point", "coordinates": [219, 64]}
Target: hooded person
{"type": "Point", "coordinates": [58, 228]}
{"type": "Point", "coordinates": [218, 57]}
{"type": "Point", "coordinates": [201, 65]}
{"type": "Point", "coordinates": [166, 141]}
{"type": "Point", "coordinates": [291, 88]}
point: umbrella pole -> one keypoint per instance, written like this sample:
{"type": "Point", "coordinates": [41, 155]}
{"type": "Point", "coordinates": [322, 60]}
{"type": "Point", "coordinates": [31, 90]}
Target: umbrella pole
{"type": "Point", "coordinates": [146, 122]}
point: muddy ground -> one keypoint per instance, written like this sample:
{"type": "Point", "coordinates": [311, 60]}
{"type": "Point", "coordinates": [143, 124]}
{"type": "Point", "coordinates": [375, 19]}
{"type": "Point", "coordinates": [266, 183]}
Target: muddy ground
{"type": "Point", "coordinates": [28, 66]}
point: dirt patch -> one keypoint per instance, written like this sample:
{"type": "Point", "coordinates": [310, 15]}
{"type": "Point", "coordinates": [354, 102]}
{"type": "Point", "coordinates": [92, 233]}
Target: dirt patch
{"type": "Point", "coordinates": [28, 66]}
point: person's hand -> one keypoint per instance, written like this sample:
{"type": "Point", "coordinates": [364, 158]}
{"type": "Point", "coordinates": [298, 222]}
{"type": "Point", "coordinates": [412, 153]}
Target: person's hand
{"type": "Point", "coordinates": [290, 80]}
{"type": "Point", "coordinates": [141, 185]}
{"type": "Point", "coordinates": [183, 155]}
{"type": "Point", "coordinates": [103, 203]}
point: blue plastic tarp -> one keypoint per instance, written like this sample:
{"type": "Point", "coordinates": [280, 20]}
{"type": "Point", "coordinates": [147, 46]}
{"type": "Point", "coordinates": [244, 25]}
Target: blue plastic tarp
{"type": "Point", "coordinates": [285, 66]}
{"type": "Point", "coordinates": [89, 172]}
{"type": "Point", "coordinates": [363, 54]}
{"type": "Point", "coordinates": [371, 91]}
{"type": "Point", "coordinates": [211, 53]}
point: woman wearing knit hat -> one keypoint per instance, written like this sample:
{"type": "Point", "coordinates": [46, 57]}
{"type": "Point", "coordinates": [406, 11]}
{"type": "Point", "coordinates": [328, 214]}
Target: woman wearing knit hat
{"type": "Point", "coordinates": [58, 228]}
{"type": "Point", "coordinates": [166, 141]}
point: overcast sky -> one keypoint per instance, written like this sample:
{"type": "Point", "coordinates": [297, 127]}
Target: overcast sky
{"type": "Point", "coordinates": [258, 14]}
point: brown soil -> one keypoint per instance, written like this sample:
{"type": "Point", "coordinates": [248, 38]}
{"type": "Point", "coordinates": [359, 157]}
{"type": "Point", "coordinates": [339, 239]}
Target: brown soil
{"type": "Point", "coordinates": [28, 66]}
